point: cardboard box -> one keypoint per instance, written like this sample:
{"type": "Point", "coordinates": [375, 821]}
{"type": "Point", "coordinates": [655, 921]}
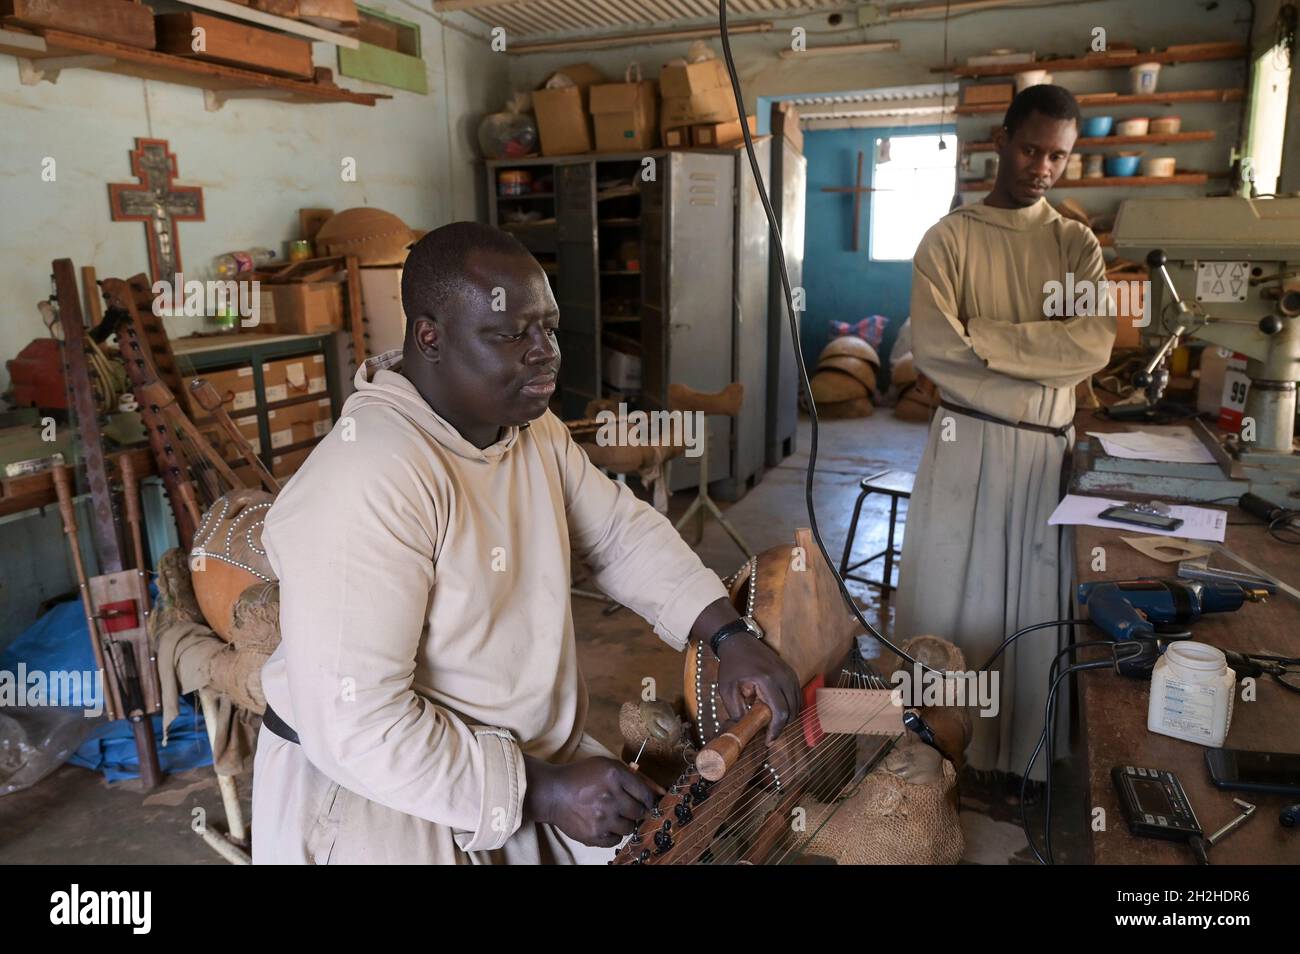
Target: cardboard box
{"type": "Point", "coordinates": [305, 421]}
{"type": "Point", "coordinates": [721, 135]}
{"type": "Point", "coordinates": [563, 119]}
{"type": "Point", "coordinates": [381, 300]}
{"type": "Point", "coordinates": [785, 122]}
{"type": "Point", "coordinates": [301, 308]}
{"type": "Point", "coordinates": [621, 370]}
{"type": "Point", "coordinates": [678, 138]}
{"type": "Point", "coordinates": [625, 116]}
{"type": "Point", "coordinates": [235, 44]}
{"type": "Point", "coordinates": [288, 378]}
{"type": "Point", "coordinates": [981, 94]}
{"type": "Point", "coordinates": [284, 465]}
{"type": "Point", "coordinates": [234, 385]}
{"type": "Point", "coordinates": [709, 106]}
{"type": "Point", "coordinates": [681, 82]}
{"type": "Point", "coordinates": [118, 21]}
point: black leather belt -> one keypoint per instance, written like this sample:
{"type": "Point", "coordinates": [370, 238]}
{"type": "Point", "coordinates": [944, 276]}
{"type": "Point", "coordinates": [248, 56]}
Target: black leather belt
{"type": "Point", "coordinates": [1022, 425]}
{"type": "Point", "coordinates": [279, 726]}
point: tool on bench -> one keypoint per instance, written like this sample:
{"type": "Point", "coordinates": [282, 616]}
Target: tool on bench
{"type": "Point", "coordinates": [1157, 610]}
{"type": "Point", "coordinates": [1201, 846]}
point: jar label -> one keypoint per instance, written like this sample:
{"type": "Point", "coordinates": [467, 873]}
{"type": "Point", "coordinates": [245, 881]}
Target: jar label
{"type": "Point", "coordinates": [1189, 709]}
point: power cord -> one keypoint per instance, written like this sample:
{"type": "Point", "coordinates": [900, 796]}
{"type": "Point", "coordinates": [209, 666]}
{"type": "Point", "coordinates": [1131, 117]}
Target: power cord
{"type": "Point", "coordinates": [778, 248]}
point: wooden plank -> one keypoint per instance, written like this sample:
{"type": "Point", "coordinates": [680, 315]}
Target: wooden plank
{"type": "Point", "coordinates": [118, 20]}
{"type": "Point", "coordinates": [150, 64]}
{"type": "Point", "coordinates": [1099, 100]}
{"type": "Point", "coordinates": [1114, 708]}
{"type": "Point", "coordinates": [378, 65]}
{"type": "Point", "coordinates": [1181, 178]}
{"type": "Point", "coordinates": [1199, 54]}
{"type": "Point", "coordinates": [244, 12]}
{"type": "Point", "coordinates": [1203, 135]}
{"type": "Point", "coordinates": [233, 44]}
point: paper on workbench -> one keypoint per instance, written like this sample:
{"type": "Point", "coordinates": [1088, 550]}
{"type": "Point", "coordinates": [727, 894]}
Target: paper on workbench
{"type": "Point", "coordinates": [1176, 445]}
{"type": "Point", "coordinates": [1199, 523]}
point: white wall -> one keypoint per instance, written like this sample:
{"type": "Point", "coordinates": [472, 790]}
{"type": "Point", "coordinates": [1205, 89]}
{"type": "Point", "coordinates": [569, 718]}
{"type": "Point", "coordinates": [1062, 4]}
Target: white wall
{"type": "Point", "coordinates": [258, 162]}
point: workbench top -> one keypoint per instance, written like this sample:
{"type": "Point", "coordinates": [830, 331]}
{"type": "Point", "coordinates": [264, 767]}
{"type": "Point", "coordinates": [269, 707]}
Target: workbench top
{"type": "Point", "coordinates": [1113, 708]}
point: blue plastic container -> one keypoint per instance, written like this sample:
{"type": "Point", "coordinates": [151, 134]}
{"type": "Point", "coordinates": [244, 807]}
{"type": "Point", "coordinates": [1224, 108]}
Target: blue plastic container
{"type": "Point", "coordinates": [1121, 166]}
{"type": "Point", "coordinates": [1096, 126]}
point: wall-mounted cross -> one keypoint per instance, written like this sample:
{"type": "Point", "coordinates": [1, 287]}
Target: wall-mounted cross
{"type": "Point", "coordinates": [857, 189]}
{"type": "Point", "coordinates": [157, 202]}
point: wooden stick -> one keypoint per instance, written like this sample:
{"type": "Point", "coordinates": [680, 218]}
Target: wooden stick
{"type": "Point", "coordinates": [208, 398]}
{"type": "Point", "coordinates": [721, 754]}
{"type": "Point", "coordinates": [67, 510]}
{"type": "Point", "coordinates": [131, 494]}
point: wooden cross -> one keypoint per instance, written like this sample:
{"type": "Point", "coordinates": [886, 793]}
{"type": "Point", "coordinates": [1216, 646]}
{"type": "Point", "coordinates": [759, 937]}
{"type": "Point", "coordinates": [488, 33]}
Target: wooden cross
{"type": "Point", "coordinates": [157, 202]}
{"type": "Point", "coordinates": [857, 189]}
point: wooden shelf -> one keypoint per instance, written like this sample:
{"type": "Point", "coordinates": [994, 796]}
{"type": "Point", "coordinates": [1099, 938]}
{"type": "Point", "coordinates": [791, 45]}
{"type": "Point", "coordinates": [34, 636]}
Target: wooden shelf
{"type": "Point", "coordinates": [284, 24]}
{"type": "Point", "coordinates": [1097, 100]}
{"type": "Point", "coordinates": [620, 222]}
{"type": "Point", "coordinates": [1180, 178]}
{"type": "Point", "coordinates": [520, 198]}
{"type": "Point", "coordinates": [1196, 53]}
{"type": "Point", "coordinates": [620, 319]}
{"type": "Point", "coordinates": [1200, 136]}
{"type": "Point", "coordinates": [620, 271]}
{"type": "Point", "coordinates": [58, 51]}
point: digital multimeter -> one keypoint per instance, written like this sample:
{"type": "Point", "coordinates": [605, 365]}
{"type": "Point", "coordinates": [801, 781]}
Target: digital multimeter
{"type": "Point", "coordinates": [1154, 803]}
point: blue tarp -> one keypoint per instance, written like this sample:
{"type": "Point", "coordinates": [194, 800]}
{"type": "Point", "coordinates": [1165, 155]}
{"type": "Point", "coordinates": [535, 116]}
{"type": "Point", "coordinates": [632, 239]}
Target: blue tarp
{"type": "Point", "coordinates": [58, 642]}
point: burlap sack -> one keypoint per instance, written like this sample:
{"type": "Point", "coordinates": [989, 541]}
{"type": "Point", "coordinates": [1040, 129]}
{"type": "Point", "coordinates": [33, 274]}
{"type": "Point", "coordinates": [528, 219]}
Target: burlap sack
{"type": "Point", "coordinates": [890, 820]}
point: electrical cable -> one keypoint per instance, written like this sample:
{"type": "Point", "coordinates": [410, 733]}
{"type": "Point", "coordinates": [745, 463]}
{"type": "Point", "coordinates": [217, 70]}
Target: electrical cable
{"type": "Point", "coordinates": [778, 249]}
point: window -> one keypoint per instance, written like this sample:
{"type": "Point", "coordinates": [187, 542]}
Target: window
{"type": "Point", "coordinates": [915, 179]}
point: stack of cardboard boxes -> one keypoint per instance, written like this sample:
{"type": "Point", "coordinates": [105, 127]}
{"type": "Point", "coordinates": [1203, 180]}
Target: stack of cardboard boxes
{"type": "Point", "coordinates": [578, 111]}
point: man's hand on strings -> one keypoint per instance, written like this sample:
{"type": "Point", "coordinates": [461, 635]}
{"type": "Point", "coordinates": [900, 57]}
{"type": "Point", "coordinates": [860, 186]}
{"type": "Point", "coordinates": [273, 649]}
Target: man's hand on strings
{"type": "Point", "coordinates": [595, 801]}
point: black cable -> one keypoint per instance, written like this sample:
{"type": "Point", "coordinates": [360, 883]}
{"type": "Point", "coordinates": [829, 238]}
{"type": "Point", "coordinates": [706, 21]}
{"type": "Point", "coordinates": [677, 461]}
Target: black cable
{"type": "Point", "coordinates": [778, 249]}
{"type": "Point", "coordinates": [1029, 629]}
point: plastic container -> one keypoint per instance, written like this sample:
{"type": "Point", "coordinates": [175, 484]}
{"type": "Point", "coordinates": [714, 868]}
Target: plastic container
{"type": "Point", "coordinates": [1192, 692]}
{"type": "Point", "coordinates": [514, 182]}
{"type": "Point", "coordinates": [1145, 76]}
{"type": "Point", "coordinates": [232, 263]}
{"type": "Point", "coordinates": [1166, 125]}
{"type": "Point", "coordinates": [1136, 126]}
{"type": "Point", "coordinates": [1092, 165]}
{"type": "Point", "coordinates": [1122, 166]}
{"type": "Point", "coordinates": [1074, 167]}
{"type": "Point", "coordinates": [1097, 126]}
{"type": "Point", "coordinates": [1159, 167]}
{"type": "Point", "coordinates": [1029, 78]}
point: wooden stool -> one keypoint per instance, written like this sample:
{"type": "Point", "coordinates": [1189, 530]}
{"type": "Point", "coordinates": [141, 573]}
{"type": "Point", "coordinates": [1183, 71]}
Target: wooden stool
{"type": "Point", "coordinates": [727, 402]}
{"type": "Point", "coordinates": [897, 484]}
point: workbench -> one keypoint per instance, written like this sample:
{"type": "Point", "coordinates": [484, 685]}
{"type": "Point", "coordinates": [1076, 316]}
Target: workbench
{"type": "Point", "coordinates": [1113, 708]}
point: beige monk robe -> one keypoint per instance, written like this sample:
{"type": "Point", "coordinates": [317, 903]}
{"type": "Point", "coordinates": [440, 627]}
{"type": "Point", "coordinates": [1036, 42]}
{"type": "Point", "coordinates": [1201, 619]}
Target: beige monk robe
{"type": "Point", "coordinates": [427, 635]}
{"type": "Point", "coordinates": [979, 559]}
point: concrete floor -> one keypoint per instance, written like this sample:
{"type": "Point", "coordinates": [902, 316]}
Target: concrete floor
{"type": "Point", "coordinates": [74, 816]}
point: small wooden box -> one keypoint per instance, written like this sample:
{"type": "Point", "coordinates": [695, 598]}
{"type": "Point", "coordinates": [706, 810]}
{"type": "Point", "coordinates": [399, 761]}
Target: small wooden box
{"type": "Point", "coordinates": [985, 94]}
{"type": "Point", "coordinates": [235, 44]}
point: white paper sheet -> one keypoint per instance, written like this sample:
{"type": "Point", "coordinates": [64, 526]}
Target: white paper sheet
{"type": "Point", "coordinates": [1177, 445]}
{"type": "Point", "coordinates": [1199, 523]}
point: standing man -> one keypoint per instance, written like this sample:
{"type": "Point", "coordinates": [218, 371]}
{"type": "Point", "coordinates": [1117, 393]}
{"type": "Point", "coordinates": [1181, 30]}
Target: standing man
{"type": "Point", "coordinates": [425, 704]}
{"type": "Point", "coordinates": [980, 560]}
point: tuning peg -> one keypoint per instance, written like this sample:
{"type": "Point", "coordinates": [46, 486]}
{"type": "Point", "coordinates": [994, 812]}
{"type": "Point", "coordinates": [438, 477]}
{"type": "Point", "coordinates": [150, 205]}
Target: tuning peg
{"type": "Point", "coordinates": [683, 813]}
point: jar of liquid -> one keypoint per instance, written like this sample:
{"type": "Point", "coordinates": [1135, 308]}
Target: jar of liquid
{"type": "Point", "coordinates": [1192, 692]}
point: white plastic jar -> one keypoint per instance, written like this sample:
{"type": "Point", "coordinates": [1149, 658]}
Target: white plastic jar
{"type": "Point", "coordinates": [1192, 692]}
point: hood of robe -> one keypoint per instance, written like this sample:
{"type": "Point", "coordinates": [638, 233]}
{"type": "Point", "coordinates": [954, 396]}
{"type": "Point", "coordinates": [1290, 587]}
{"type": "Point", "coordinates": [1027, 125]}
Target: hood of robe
{"type": "Point", "coordinates": [1033, 216]}
{"type": "Point", "coordinates": [379, 381]}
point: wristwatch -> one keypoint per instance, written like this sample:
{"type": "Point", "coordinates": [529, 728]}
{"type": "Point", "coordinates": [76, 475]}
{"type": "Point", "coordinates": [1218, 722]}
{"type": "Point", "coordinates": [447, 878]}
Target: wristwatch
{"type": "Point", "coordinates": [745, 624]}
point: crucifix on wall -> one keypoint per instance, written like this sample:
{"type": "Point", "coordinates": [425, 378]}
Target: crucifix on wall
{"type": "Point", "coordinates": [856, 189]}
{"type": "Point", "coordinates": [156, 201]}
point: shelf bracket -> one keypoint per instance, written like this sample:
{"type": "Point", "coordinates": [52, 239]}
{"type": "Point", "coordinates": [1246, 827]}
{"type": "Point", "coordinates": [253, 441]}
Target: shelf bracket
{"type": "Point", "coordinates": [214, 99]}
{"type": "Point", "coordinates": [31, 72]}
